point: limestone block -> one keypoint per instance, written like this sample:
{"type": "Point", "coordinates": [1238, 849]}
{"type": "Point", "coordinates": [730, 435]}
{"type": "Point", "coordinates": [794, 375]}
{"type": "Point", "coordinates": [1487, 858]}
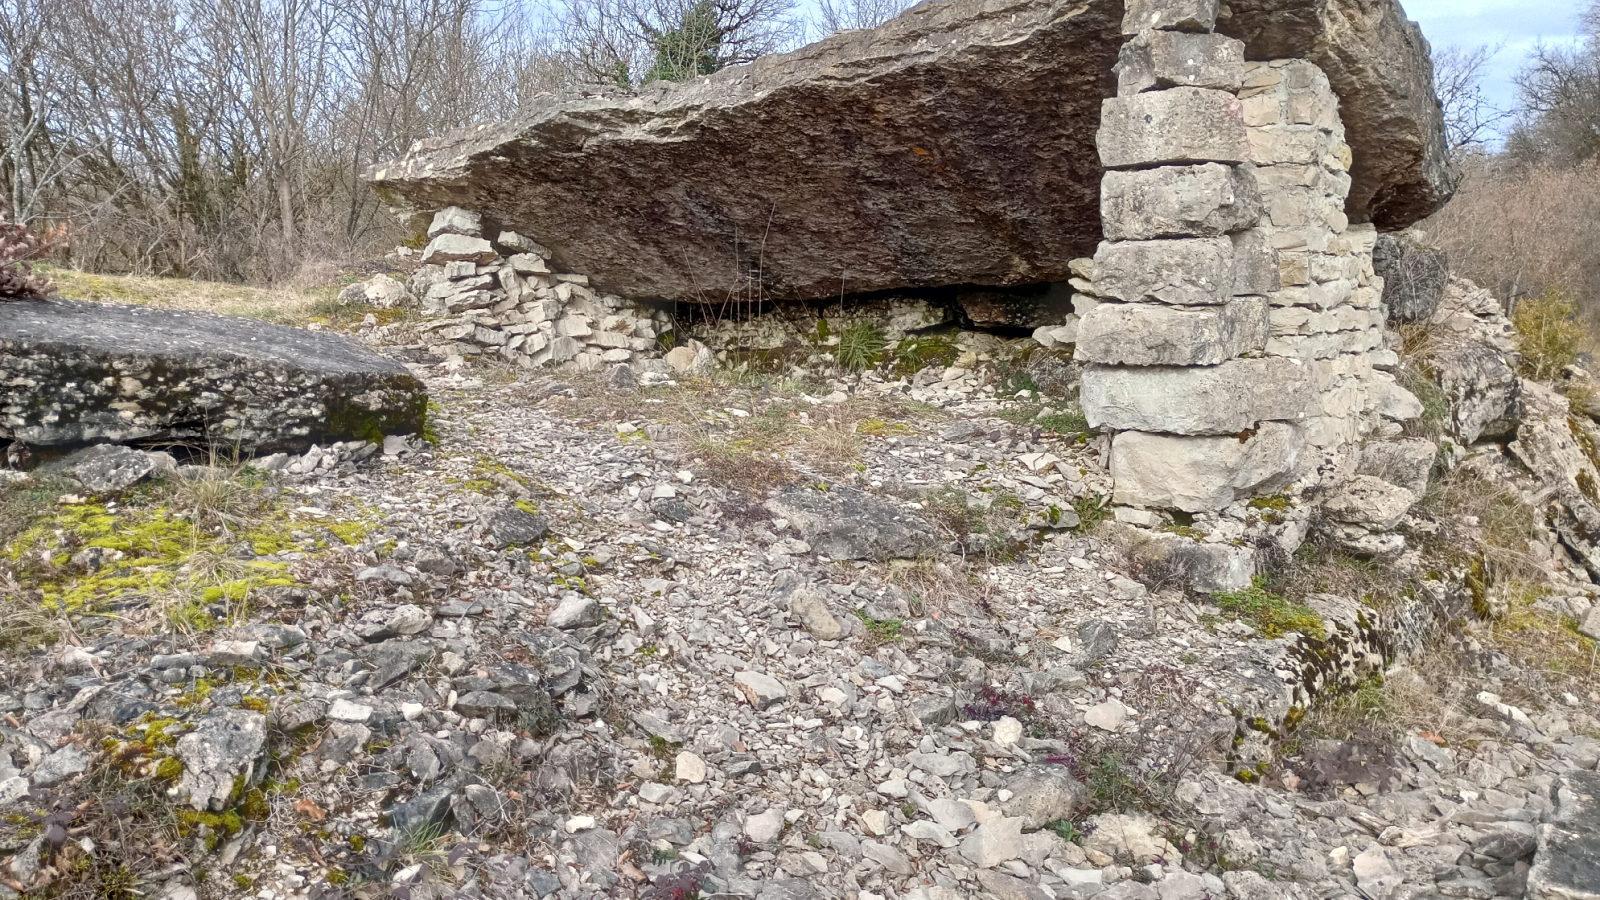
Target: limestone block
{"type": "Point", "coordinates": [1177, 125]}
{"type": "Point", "coordinates": [1148, 334]}
{"type": "Point", "coordinates": [1196, 474]}
{"type": "Point", "coordinates": [1169, 15]}
{"type": "Point", "coordinates": [451, 247]}
{"type": "Point", "coordinates": [1186, 272]}
{"type": "Point", "coordinates": [455, 220]}
{"type": "Point", "coordinates": [1255, 263]}
{"type": "Point", "coordinates": [1224, 399]}
{"type": "Point", "coordinates": [1179, 201]}
{"type": "Point", "coordinates": [1289, 144]}
{"type": "Point", "coordinates": [1261, 109]}
{"type": "Point", "coordinates": [1163, 59]}
{"type": "Point", "coordinates": [1370, 502]}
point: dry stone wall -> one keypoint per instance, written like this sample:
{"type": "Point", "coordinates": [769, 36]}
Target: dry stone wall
{"type": "Point", "coordinates": [504, 298]}
{"type": "Point", "coordinates": [1232, 314]}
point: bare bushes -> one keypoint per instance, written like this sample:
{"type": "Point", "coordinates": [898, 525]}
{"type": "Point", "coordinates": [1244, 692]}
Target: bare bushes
{"type": "Point", "coordinates": [1520, 231]}
{"type": "Point", "coordinates": [18, 248]}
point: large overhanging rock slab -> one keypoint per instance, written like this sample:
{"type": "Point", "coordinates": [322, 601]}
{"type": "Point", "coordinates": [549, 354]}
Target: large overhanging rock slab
{"type": "Point", "coordinates": [77, 373]}
{"type": "Point", "coordinates": [952, 145]}
{"type": "Point", "coordinates": [1226, 399]}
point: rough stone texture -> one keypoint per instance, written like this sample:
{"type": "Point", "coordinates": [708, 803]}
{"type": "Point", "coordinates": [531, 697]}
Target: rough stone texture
{"type": "Point", "coordinates": [1149, 334]}
{"type": "Point", "coordinates": [952, 145]}
{"type": "Point", "coordinates": [225, 746]}
{"type": "Point", "coordinates": [1206, 568]}
{"type": "Point", "coordinates": [1170, 15]}
{"type": "Point", "coordinates": [1370, 502]}
{"type": "Point", "coordinates": [1177, 125]}
{"type": "Point", "coordinates": [1201, 473]}
{"type": "Point", "coordinates": [1483, 389]}
{"type": "Point", "coordinates": [108, 467]}
{"type": "Point", "coordinates": [1567, 865]}
{"type": "Point", "coordinates": [1226, 399]}
{"type": "Point", "coordinates": [1405, 464]}
{"type": "Point", "coordinates": [77, 373]}
{"type": "Point", "coordinates": [1184, 271]}
{"type": "Point", "coordinates": [845, 523]}
{"type": "Point", "coordinates": [1414, 276]}
{"type": "Point", "coordinates": [1163, 59]}
{"type": "Point", "coordinates": [1378, 64]}
{"type": "Point", "coordinates": [1178, 201]}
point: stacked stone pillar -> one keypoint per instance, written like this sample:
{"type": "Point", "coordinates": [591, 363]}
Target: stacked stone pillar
{"type": "Point", "coordinates": [1177, 316]}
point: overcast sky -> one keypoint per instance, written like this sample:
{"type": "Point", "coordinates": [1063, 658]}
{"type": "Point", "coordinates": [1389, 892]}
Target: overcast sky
{"type": "Point", "coordinates": [1515, 25]}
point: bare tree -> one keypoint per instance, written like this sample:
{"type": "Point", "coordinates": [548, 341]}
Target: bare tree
{"type": "Point", "coordinates": [1470, 120]}
{"type": "Point", "coordinates": [846, 15]}
{"type": "Point", "coordinates": [1558, 119]}
{"type": "Point", "coordinates": [626, 43]}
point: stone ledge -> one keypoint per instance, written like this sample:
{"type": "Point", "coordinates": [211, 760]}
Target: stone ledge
{"type": "Point", "coordinates": [1196, 474]}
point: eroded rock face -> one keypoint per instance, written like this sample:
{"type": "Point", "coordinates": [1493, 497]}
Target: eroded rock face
{"type": "Point", "coordinates": [78, 373]}
{"type": "Point", "coordinates": [955, 144]}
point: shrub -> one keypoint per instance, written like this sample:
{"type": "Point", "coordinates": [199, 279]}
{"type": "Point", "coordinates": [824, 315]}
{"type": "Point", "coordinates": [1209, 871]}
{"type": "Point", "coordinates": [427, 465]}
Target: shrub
{"type": "Point", "coordinates": [18, 248]}
{"type": "Point", "coordinates": [860, 346]}
{"type": "Point", "coordinates": [1548, 334]}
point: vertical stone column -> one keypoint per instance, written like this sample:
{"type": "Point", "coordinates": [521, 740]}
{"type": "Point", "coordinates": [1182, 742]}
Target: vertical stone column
{"type": "Point", "coordinates": [1176, 315]}
{"type": "Point", "coordinates": [1328, 311]}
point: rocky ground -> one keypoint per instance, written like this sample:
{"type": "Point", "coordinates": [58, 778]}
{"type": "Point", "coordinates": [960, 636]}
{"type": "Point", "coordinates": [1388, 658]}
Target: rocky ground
{"type": "Point", "coordinates": [645, 634]}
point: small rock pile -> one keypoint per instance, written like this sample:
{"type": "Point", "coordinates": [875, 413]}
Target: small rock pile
{"type": "Point", "coordinates": [518, 307]}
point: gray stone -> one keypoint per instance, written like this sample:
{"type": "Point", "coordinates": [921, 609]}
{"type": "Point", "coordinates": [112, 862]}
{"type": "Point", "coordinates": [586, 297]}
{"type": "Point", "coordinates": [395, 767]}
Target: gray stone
{"type": "Point", "coordinates": [1406, 463]}
{"type": "Point", "coordinates": [455, 220]}
{"type": "Point", "coordinates": [1255, 264]}
{"type": "Point", "coordinates": [994, 842]}
{"type": "Point", "coordinates": [68, 762]}
{"type": "Point", "coordinates": [760, 690]}
{"type": "Point", "coordinates": [1044, 794]}
{"type": "Point", "coordinates": [485, 705]}
{"type": "Point", "coordinates": [1369, 502]}
{"type": "Point", "coordinates": [1171, 15]}
{"type": "Point", "coordinates": [576, 611]}
{"type": "Point", "coordinates": [1136, 837]}
{"type": "Point", "coordinates": [509, 525]}
{"type": "Point", "coordinates": [1195, 474]}
{"type": "Point", "coordinates": [890, 858]}
{"type": "Point", "coordinates": [77, 373]}
{"type": "Point", "coordinates": [447, 248]}
{"type": "Point", "coordinates": [225, 746]}
{"type": "Point", "coordinates": [1177, 125]}
{"type": "Point", "coordinates": [1185, 271]}
{"type": "Point", "coordinates": [1483, 388]}
{"type": "Point", "coordinates": [1567, 865]}
{"type": "Point", "coordinates": [766, 827]}
{"type": "Point", "coordinates": [1150, 334]}
{"type": "Point", "coordinates": [1414, 276]}
{"type": "Point", "coordinates": [810, 606]}
{"type": "Point", "coordinates": [844, 523]}
{"type": "Point", "coordinates": [1230, 398]}
{"type": "Point", "coordinates": [1207, 200]}
{"type": "Point", "coordinates": [105, 468]}
{"type": "Point", "coordinates": [1164, 59]}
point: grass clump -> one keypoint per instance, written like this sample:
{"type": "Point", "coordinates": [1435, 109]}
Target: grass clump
{"type": "Point", "coordinates": [880, 631]}
{"type": "Point", "coordinates": [860, 347]}
{"type": "Point", "coordinates": [1271, 615]}
{"type": "Point", "coordinates": [1549, 335]}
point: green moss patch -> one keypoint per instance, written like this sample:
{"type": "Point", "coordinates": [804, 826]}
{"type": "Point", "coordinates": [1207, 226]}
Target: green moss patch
{"type": "Point", "coordinates": [1271, 615]}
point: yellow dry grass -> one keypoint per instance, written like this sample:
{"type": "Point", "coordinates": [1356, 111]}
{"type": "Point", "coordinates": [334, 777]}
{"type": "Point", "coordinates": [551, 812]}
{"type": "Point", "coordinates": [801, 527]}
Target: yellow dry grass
{"type": "Point", "coordinates": [280, 306]}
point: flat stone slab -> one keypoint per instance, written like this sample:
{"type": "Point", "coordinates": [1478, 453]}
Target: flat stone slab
{"type": "Point", "coordinates": [955, 144]}
{"type": "Point", "coordinates": [1567, 865]}
{"type": "Point", "coordinates": [77, 373]}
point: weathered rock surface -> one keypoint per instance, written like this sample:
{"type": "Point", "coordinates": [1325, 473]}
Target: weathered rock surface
{"type": "Point", "coordinates": [1224, 399]}
{"type": "Point", "coordinates": [1177, 201]}
{"type": "Point", "coordinates": [77, 373]}
{"type": "Point", "coordinates": [845, 523]}
{"type": "Point", "coordinates": [1567, 866]}
{"type": "Point", "coordinates": [1151, 334]}
{"type": "Point", "coordinates": [1163, 471]}
{"type": "Point", "coordinates": [1379, 65]}
{"type": "Point", "coordinates": [954, 144]}
{"type": "Point", "coordinates": [226, 746]}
